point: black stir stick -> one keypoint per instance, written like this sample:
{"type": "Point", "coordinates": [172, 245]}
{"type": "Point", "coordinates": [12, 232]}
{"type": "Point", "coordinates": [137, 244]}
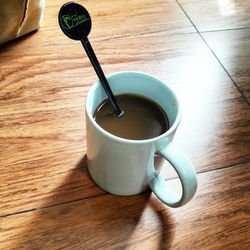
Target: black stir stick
{"type": "Point", "coordinates": [75, 23]}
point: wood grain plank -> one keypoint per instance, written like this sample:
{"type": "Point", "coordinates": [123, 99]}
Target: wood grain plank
{"type": "Point", "coordinates": [232, 49]}
{"type": "Point", "coordinates": [217, 15]}
{"type": "Point", "coordinates": [42, 118]}
{"type": "Point", "coordinates": [113, 19]}
{"type": "Point", "coordinates": [44, 79]}
{"type": "Point", "coordinates": [217, 218]}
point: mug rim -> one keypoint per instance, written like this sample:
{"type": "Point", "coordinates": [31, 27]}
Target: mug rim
{"type": "Point", "coordinates": [130, 141]}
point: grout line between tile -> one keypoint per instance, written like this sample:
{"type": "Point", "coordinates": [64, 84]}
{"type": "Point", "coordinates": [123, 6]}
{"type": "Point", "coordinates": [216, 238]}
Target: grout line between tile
{"type": "Point", "coordinates": [9, 45]}
{"type": "Point", "coordinates": [215, 169]}
{"type": "Point", "coordinates": [235, 84]}
{"type": "Point", "coordinates": [190, 20]}
{"type": "Point", "coordinates": [53, 205]}
{"type": "Point", "coordinates": [103, 194]}
{"type": "Point", "coordinates": [221, 30]}
{"type": "Point", "coordinates": [222, 168]}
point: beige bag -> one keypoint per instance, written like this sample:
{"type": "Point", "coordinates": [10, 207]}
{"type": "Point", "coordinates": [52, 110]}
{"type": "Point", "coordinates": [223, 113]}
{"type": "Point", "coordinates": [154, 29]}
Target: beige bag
{"type": "Point", "coordinates": [19, 17]}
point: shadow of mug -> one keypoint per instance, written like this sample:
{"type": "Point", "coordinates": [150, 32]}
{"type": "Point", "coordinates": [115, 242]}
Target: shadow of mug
{"type": "Point", "coordinates": [103, 221]}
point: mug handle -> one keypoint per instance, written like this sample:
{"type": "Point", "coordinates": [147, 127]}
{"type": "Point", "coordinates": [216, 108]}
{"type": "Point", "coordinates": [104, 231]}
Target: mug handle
{"type": "Point", "coordinates": [186, 172]}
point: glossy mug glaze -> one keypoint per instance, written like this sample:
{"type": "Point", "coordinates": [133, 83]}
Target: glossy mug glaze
{"type": "Point", "coordinates": [126, 167]}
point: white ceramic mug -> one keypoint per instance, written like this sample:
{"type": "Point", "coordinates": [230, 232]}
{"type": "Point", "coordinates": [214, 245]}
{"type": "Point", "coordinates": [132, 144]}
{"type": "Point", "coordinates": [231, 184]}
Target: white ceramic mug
{"type": "Point", "coordinates": [126, 167]}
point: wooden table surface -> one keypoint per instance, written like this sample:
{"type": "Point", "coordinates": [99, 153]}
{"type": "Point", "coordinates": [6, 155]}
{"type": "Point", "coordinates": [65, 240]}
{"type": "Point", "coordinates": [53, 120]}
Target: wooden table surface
{"type": "Point", "coordinates": [47, 199]}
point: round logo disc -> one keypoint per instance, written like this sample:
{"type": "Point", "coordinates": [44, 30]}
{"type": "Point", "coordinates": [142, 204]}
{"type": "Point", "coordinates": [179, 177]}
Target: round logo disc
{"type": "Point", "coordinates": [74, 20]}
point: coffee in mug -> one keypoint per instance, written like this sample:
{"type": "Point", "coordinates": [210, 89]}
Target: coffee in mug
{"type": "Point", "coordinates": [142, 118]}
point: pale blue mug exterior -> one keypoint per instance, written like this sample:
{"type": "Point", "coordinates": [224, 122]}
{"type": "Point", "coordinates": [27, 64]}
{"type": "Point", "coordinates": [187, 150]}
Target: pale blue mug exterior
{"type": "Point", "coordinates": [126, 167]}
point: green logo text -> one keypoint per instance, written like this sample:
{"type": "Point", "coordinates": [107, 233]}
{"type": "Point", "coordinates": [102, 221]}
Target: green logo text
{"type": "Point", "coordinates": [71, 21]}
